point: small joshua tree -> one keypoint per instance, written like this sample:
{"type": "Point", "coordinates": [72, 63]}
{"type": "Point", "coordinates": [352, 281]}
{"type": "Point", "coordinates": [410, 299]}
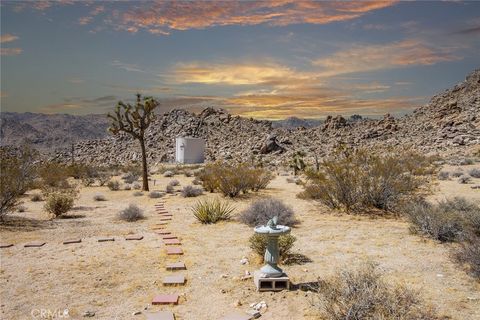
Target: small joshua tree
{"type": "Point", "coordinates": [297, 163]}
{"type": "Point", "coordinates": [134, 120]}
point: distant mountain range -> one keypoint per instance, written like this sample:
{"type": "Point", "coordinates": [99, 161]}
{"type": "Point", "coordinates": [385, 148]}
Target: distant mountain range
{"type": "Point", "coordinates": [50, 131]}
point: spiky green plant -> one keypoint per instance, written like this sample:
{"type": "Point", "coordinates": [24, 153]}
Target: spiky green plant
{"type": "Point", "coordinates": [212, 211]}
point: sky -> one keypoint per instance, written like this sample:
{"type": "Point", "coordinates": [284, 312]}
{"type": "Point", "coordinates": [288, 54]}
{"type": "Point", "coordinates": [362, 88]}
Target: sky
{"type": "Point", "coordinates": [260, 59]}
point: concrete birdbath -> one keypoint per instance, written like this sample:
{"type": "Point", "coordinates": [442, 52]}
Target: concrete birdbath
{"type": "Point", "coordinates": [271, 276]}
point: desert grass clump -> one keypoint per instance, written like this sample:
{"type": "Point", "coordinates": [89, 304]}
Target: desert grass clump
{"type": "Point", "coordinates": [137, 194]}
{"type": "Point", "coordinates": [155, 194]}
{"type": "Point", "coordinates": [464, 179]}
{"type": "Point", "coordinates": [191, 191]}
{"type": "Point", "coordinates": [258, 243]}
{"type": "Point", "coordinates": [447, 221]}
{"type": "Point", "coordinates": [131, 213]}
{"type": "Point", "coordinates": [260, 211]}
{"type": "Point", "coordinates": [358, 180]}
{"type": "Point", "coordinates": [443, 175]}
{"type": "Point", "coordinates": [364, 294]}
{"type": "Point", "coordinates": [212, 211]}
{"type": "Point", "coordinates": [113, 185]}
{"type": "Point", "coordinates": [58, 203]}
{"type": "Point", "coordinates": [127, 187]}
{"type": "Point", "coordinates": [99, 197]}
{"type": "Point", "coordinates": [36, 197]}
{"type": "Point", "coordinates": [467, 254]}
{"type": "Point", "coordinates": [475, 172]}
{"type": "Point", "coordinates": [188, 173]}
{"type": "Point", "coordinates": [168, 174]}
{"type": "Point", "coordinates": [174, 183]}
{"type": "Point", "coordinates": [137, 186]}
{"type": "Point", "coordinates": [170, 189]}
{"type": "Point", "coordinates": [132, 176]}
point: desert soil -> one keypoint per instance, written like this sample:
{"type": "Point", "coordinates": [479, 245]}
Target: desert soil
{"type": "Point", "coordinates": [116, 279]}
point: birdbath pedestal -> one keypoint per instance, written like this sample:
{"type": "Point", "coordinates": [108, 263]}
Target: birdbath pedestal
{"type": "Point", "coordinates": [271, 277]}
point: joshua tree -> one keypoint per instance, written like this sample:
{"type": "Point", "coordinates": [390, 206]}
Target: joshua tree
{"type": "Point", "coordinates": [134, 120]}
{"type": "Point", "coordinates": [297, 163]}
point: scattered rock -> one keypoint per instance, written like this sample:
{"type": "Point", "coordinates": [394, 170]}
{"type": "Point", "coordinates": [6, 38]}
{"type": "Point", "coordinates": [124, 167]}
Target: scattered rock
{"type": "Point", "coordinates": [89, 314]}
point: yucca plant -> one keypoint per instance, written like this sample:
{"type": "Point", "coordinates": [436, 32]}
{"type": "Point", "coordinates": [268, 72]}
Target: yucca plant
{"type": "Point", "coordinates": [212, 211]}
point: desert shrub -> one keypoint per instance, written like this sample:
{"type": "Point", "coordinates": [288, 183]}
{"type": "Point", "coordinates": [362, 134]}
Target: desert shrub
{"type": "Point", "coordinates": [131, 177]}
{"type": "Point", "coordinates": [113, 185]}
{"type": "Point", "coordinates": [258, 243]}
{"type": "Point", "coordinates": [363, 294]}
{"type": "Point", "coordinates": [188, 173]}
{"type": "Point", "coordinates": [191, 191]}
{"type": "Point", "coordinates": [463, 179]}
{"type": "Point", "coordinates": [131, 213]}
{"type": "Point", "coordinates": [137, 194]}
{"type": "Point", "coordinates": [196, 181]}
{"type": "Point", "coordinates": [99, 197]}
{"type": "Point", "coordinates": [468, 254]}
{"type": "Point", "coordinates": [447, 221]}
{"type": "Point", "coordinates": [127, 187]}
{"type": "Point", "coordinates": [155, 195]}
{"type": "Point", "coordinates": [359, 180]}
{"type": "Point", "coordinates": [443, 175]}
{"type": "Point", "coordinates": [57, 203]}
{"type": "Point", "coordinates": [260, 211]}
{"type": "Point", "coordinates": [21, 208]}
{"type": "Point", "coordinates": [168, 174]}
{"type": "Point", "coordinates": [137, 186]}
{"type": "Point", "coordinates": [174, 183]}
{"type": "Point", "coordinates": [169, 189]}
{"type": "Point", "coordinates": [290, 180]}
{"type": "Point", "coordinates": [53, 175]}
{"type": "Point", "coordinates": [233, 179]}
{"type": "Point", "coordinates": [16, 177]}
{"type": "Point", "coordinates": [36, 197]}
{"type": "Point", "coordinates": [457, 173]}
{"type": "Point", "coordinates": [103, 177]}
{"type": "Point", "coordinates": [212, 211]}
{"type": "Point", "coordinates": [474, 172]}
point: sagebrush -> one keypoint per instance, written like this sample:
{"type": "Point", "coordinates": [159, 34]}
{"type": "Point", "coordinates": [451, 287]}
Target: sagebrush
{"type": "Point", "coordinates": [131, 213]}
{"type": "Point", "coordinates": [191, 191]}
{"type": "Point", "coordinates": [260, 211]}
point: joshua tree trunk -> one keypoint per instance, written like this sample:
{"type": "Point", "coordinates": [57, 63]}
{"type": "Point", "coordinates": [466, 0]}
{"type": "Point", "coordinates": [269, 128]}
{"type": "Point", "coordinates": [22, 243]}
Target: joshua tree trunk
{"type": "Point", "coordinates": [144, 166]}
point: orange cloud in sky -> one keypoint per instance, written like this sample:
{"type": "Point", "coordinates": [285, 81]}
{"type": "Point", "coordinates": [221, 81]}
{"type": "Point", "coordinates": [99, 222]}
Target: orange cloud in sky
{"type": "Point", "coordinates": [183, 15]}
{"type": "Point", "coordinates": [4, 38]}
{"type": "Point", "coordinates": [10, 51]}
{"type": "Point", "coordinates": [362, 58]}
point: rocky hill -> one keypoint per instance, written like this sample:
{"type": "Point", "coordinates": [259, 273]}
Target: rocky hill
{"type": "Point", "coordinates": [49, 132]}
{"type": "Point", "coordinates": [449, 123]}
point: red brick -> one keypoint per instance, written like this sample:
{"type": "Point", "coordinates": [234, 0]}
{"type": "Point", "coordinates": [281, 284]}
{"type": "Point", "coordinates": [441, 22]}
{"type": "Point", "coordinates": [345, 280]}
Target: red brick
{"type": "Point", "coordinates": [72, 241]}
{"type": "Point", "coordinates": [169, 236]}
{"type": "Point", "coordinates": [165, 299]}
{"type": "Point", "coordinates": [160, 315]}
{"type": "Point", "coordinates": [106, 239]}
{"type": "Point", "coordinates": [169, 242]}
{"type": "Point", "coordinates": [162, 232]}
{"type": "Point", "coordinates": [6, 245]}
{"type": "Point", "coordinates": [174, 251]}
{"type": "Point", "coordinates": [34, 244]}
{"type": "Point", "coordinates": [133, 237]}
{"type": "Point", "coordinates": [173, 280]}
{"type": "Point", "coordinates": [176, 266]}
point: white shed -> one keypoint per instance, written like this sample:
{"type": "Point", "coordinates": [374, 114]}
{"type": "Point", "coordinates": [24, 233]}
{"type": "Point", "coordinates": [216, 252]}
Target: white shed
{"type": "Point", "coordinates": [190, 150]}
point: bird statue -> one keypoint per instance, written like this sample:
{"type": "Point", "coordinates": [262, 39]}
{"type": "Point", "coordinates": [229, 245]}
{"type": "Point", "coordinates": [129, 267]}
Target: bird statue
{"type": "Point", "coordinates": [272, 223]}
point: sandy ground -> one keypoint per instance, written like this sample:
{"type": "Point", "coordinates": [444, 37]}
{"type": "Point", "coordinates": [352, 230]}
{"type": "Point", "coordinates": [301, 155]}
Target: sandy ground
{"type": "Point", "coordinates": [115, 279]}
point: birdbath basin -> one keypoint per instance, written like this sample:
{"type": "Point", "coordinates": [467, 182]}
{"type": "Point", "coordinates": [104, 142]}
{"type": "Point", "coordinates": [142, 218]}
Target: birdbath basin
{"type": "Point", "coordinates": [272, 231]}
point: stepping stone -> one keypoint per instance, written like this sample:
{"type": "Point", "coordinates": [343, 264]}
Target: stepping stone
{"type": "Point", "coordinates": [169, 236]}
{"type": "Point", "coordinates": [173, 280]}
{"type": "Point", "coordinates": [35, 244]}
{"type": "Point", "coordinates": [174, 251]}
{"type": "Point", "coordinates": [162, 211]}
{"type": "Point", "coordinates": [165, 299]}
{"type": "Point", "coordinates": [161, 315]}
{"type": "Point", "coordinates": [6, 245]}
{"type": "Point", "coordinates": [237, 316]}
{"type": "Point", "coordinates": [106, 239]}
{"type": "Point", "coordinates": [72, 241]}
{"type": "Point", "coordinates": [133, 237]}
{"type": "Point", "coordinates": [163, 215]}
{"type": "Point", "coordinates": [170, 242]}
{"type": "Point", "coordinates": [162, 232]}
{"type": "Point", "coordinates": [176, 266]}
{"type": "Point", "coordinates": [166, 219]}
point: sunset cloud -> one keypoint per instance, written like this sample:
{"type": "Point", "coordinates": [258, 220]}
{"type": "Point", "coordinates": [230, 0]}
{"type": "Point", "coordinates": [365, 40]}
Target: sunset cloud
{"type": "Point", "coordinates": [363, 58]}
{"type": "Point", "coordinates": [238, 74]}
{"type": "Point", "coordinates": [4, 38]}
{"type": "Point", "coordinates": [10, 51]}
{"type": "Point", "coordinates": [163, 16]}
